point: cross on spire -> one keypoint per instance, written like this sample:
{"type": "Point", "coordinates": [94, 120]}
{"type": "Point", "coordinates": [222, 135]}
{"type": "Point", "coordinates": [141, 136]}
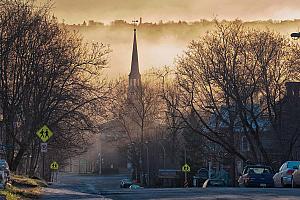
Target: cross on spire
{"type": "Point", "coordinates": [135, 23]}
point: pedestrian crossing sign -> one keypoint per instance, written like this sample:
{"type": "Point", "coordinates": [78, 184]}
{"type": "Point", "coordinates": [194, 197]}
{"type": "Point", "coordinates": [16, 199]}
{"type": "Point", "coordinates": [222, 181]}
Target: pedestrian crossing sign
{"type": "Point", "coordinates": [54, 165]}
{"type": "Point", "coordinates": [44, 133]}
{"type": "Point", "coordinates": [186, 168]}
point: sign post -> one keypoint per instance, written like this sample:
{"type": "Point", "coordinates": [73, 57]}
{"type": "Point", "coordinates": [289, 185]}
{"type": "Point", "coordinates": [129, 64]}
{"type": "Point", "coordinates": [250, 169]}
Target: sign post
{"type": "Point", "coordinates": [54, 167]}
{"type": "Point", "coordinates": [186, 168]}
{"type": "Point", "coordinates": [44, 134]}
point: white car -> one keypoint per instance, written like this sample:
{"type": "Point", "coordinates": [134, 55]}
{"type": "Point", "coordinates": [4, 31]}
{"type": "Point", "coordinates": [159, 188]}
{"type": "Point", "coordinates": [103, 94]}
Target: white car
{"type": "Point", "coordinates": [4, 167]}
{"type": "Point", "coordinates": [283, 177]}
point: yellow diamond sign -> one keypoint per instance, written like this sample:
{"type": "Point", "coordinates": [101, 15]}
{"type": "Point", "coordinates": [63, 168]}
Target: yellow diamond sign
{"type": "Point", "coordinates": [186, 168]}
{"type": "Point", "coordinates": [44, 133]}
{"type": "Point", "coordinates": [54, 165]}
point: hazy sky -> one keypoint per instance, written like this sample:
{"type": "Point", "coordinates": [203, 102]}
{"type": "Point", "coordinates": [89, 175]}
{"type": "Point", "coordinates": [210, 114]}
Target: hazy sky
{"type": "Point", "coordinates": [75, 11]}
{"type": "Point", "coordinates": [161, 52]}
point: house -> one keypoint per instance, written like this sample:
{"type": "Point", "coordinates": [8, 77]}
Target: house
{"type": "Point", "coordinates": [281, 130]}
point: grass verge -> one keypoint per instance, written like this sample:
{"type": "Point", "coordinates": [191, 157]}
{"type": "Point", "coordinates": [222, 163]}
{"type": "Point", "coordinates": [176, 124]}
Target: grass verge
{"type": "Point", "coordinates": [27, 182]}
{"type": "Point", "coordinates": [9, 195]}
{"type": "Point", "coordinates": [23, 188]}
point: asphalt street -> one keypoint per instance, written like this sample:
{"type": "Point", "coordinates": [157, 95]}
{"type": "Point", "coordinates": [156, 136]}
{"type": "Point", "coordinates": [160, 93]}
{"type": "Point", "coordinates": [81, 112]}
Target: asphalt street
{"type": "Point", "coordinates": [72, 186]}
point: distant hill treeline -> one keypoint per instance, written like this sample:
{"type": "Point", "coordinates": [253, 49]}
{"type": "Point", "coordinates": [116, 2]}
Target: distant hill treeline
{"type": "Point", "coordinates": [159, 43]}
{"type": "Point", "coordinates": [181, 30]}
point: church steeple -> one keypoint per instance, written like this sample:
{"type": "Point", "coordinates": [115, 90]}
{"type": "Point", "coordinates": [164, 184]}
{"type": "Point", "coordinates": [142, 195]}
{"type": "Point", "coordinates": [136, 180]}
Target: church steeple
{"type": "Point", "coordinates": [134, 75]}
{"type": "Point", "coordinates": [135, 72]}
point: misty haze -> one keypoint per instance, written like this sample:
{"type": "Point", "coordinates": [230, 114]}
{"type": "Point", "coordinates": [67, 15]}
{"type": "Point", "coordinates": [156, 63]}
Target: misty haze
{"type": "Point", "coordinates": [159, 43]}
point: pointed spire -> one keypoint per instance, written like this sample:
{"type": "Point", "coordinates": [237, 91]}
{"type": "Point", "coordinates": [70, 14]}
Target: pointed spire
{"type": "Point", "coordinates": [135, 72]}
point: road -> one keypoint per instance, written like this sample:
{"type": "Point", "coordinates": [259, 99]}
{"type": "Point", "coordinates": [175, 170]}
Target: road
{"type": "Point", "coordinates": [74, 186]}
{"type": "Point", "coordinates": [107, 187]}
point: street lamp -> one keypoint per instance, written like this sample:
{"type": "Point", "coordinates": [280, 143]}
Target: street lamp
{"type": "Point", "coordinates": [141, 165]}
{"type": "Point", "coordinates": [135, 165]}
{"type": "Point", "coordinates": [99, 150]}
{"type": "Point", "coordinates": [148, 167]}
{"type": "Point", "coordinates": [100, 163]}
{"type": "Point", "coordinates": [164, 150]}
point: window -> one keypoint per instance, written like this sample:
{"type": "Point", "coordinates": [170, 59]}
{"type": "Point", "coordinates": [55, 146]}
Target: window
{"type": "Point", "coordinates": [245, 144]}
{"type": "Point", "coordinates": [282, 167]}
{"type": "Point", "coordinates": [259, 170]}
{"type": "Point", "coordinates": [293, 165]}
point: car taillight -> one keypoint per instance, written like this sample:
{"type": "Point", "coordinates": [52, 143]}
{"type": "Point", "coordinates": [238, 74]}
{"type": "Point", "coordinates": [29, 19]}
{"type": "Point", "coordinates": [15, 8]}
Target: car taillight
{"type": "Point", "coordinates": [290, 171]}
{"type": "Point", "coordinates": [247, 178]}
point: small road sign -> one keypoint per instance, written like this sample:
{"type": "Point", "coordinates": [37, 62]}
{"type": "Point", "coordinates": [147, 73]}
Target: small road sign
{"type": "Point", "coordinates": [44, 147]}
{"type": "Point", "coordinates": [54, 165]}
{"type": "Point", "coordinates": [44, 133]}
{"type": "Point", "coordinates": [186, 168]}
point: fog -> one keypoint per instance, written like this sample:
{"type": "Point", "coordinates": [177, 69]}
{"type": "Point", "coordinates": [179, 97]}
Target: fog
{"type": "Point", "coordinates": [154, 49]}
{"type": "Point", "coordinates": [158, 43]}
{"type": "Point", "coordinates": [75, 11]}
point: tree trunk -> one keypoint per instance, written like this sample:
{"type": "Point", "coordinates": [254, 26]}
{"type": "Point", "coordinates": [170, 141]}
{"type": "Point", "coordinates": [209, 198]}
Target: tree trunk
{"type": "Point", "coordinates": [232, 172]}
{"type": "Point", "coordinates": [18, 159]}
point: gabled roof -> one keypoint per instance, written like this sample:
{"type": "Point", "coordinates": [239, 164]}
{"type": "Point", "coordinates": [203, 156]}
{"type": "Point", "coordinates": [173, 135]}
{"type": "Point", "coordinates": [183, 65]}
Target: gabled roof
{"type": "Point", "coordinates": [221, 120]}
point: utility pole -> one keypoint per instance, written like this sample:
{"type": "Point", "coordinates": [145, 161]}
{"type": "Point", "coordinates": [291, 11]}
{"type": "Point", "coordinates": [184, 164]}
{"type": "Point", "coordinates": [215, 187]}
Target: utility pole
{"type": "Point", "coordinates": [100, 164]}
{"type": "Point", "coordinates": [148, 165]}
{"type": "Point", "coordinates": [141, 165]}
{"type": "Point", "coordinates": [79, 165]}
{"type": "Point", "coordinates": [185, 173]}
{"type": "Point", "coordinates": [209, 169]}
{"type": "Point", "coordinates": [70, 165]}
{"type": "Point", "coordinates": [43, 173]}
{"type": "Point", "coordinates": [100, 155]}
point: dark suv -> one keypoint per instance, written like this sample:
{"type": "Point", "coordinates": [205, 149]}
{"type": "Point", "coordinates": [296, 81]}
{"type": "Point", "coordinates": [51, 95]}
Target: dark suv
{"type": "Point", "coordinates": [257, 176]}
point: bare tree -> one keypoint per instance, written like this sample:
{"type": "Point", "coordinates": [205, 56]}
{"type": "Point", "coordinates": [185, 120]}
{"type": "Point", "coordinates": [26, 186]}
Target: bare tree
{"type": "Point", "coordinates": [231, 80]}
{"type": "Point", "coordinates": [136, 116]}
{"type": "Point", "coordinates": [48, 76]}
{"type": "Point", "coordinates": [174, 124]}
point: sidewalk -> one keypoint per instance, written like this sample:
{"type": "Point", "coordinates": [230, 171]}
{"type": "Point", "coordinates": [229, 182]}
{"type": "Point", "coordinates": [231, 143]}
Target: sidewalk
{"type": "Point", "coordinates": [60, 192]}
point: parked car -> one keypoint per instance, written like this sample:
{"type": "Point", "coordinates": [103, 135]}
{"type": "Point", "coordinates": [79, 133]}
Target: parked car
{"type": "Point", "coordinates": [202, 175]}
{"type": "Point", "coordinates": [214, 183]}
{"type": "Point", "coordinates": [296, 178]}
{"type": "Point", "coordinates": [135, 186]}
{"type": "Point", "coordinates": [4, 167]}
{"type": "Point", "coordinates": [3, 180]}
{"type": "Point", "coordinates": [125, 183]}
{"type": "Point", "coordinates": [283, 177]}
{"type": "Point", "coordinates": [256, 176]}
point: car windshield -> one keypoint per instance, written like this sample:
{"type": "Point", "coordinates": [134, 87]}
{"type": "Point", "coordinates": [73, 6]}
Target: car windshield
{"type": "Point", "coordinates": [293, 165]}
{"type": "Point", "coordinates": [259, 170]}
